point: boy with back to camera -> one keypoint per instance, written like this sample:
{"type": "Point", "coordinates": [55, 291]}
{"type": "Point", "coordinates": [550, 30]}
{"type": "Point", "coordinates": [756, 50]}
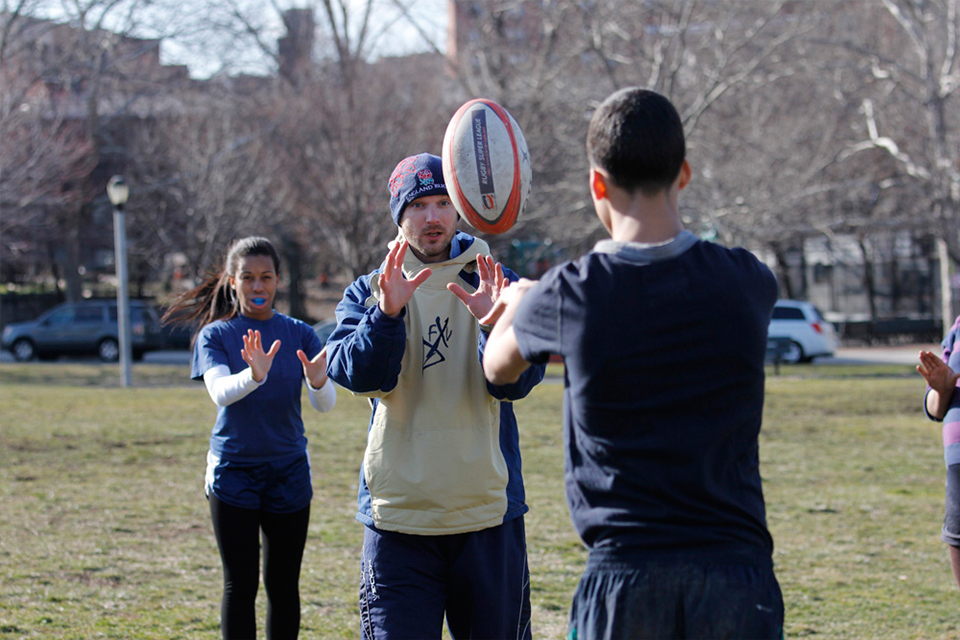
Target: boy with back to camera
{"type": "Point", "coordinates": [664, 339]}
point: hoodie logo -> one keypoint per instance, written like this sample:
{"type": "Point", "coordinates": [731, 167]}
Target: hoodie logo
{"type": "Point", "coordinates": [438, 335]}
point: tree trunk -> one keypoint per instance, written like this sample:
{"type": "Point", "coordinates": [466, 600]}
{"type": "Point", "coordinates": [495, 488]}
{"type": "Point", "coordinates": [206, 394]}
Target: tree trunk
{"type": "Point", "coordinates": [71, 256]}
{"type": "Point", "coordinates": [783, 271]}
{"type": "Point", "coordinates": [869, 283]}
{"type": "Point", "coordinates": [293, 256]}
{"type": "Point", "coordinates": [946, 290]}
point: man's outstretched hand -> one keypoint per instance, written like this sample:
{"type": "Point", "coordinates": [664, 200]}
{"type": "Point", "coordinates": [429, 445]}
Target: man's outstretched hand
{"type": "Point", "coordinates": [395, 290]}
{"type": "Point", "coordinates": [492, 282]}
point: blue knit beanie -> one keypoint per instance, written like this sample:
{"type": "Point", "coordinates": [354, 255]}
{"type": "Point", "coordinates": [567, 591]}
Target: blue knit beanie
{"type": "Point", "coordinates": [415, 177]}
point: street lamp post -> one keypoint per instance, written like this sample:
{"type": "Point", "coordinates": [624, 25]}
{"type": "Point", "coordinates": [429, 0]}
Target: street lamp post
{"type": "Point", "coordinates": [118, 192]}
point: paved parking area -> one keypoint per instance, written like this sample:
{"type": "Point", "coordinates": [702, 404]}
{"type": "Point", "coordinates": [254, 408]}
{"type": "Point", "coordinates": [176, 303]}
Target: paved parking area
{"type": "Point", "coordinates": [179, 356]}
{"type": "Point", "coordinates": [906, 354]}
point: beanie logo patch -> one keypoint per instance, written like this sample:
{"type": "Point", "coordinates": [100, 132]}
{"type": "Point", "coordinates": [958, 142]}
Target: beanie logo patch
{"type": "Point", "coordinates": [406, 167]}
{"type": "Point", "coordinates": [425, 176]}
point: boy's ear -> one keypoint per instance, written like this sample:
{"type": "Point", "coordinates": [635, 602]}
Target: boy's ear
{"type": "Point", "coordinates": [686, 174]}
{"type": "Point", "coordinates": [598, 184]}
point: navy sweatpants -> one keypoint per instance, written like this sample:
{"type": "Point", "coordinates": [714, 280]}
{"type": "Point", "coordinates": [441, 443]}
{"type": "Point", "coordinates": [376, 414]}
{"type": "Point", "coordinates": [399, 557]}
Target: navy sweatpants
{"type": "Point", "coordinates": [479, 580]}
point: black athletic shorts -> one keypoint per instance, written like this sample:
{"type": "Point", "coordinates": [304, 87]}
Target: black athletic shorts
{"type": "Point", "coordinates": [642, 597]}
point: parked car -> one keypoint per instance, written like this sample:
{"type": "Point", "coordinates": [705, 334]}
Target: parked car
{"type": "Point", "coordinates": [803, 325]}
{"type": "Point", "coordinates": [175, 335]}
{"type": "Point", "coordinates": [86, 327]}
{"type": "Point", "coordinates": [324, 328]}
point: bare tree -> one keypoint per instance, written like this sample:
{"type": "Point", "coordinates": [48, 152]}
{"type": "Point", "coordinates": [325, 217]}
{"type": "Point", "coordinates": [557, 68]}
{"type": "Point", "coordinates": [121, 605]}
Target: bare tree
{"type": "Point", "coordinates": [67, 84]}
{"type": "Point", "coordinates": [805, 120]}
{"type": "Point", "coordinates": [48, 156]}
{"type": "Point", "coordinates": [552, 63]}
{"type": "Point", "coordinates": [910, 111]}
{"type": "Point", "coordinates": [340, 149]}
{"type": "Point", "coordinates": [892, 68]}
{"type": "Point", "coordinates": [205, 182]}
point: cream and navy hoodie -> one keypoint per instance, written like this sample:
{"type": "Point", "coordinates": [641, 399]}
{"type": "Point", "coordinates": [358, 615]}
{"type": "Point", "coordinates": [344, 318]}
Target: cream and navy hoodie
{"type": "Point", "coordinates": [443, 450]}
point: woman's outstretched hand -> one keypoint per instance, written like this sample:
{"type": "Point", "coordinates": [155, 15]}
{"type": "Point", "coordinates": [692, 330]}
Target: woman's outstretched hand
{"type": "Point", "coordinates": [253, 354]}
{"type": "Point", "coordinates": [315, 370]}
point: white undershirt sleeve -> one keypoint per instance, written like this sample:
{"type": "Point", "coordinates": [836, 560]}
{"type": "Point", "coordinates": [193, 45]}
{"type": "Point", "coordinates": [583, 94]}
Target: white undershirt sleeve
{"type": "Point", "coordinates": [226, 388]}
{"type": "Point", "coordinates": [323, 398]}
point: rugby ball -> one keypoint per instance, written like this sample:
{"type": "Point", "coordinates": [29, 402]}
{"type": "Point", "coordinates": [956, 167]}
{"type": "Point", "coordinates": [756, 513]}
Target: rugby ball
{"type": "Point", "coordinates": [486, 166]}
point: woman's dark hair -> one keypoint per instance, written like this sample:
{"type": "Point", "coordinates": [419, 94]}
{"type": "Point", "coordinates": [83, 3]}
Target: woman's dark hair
{"type": "Point", "coordinates": [636, 136]}
{"type": "Point", "coordinates": [214, 299]}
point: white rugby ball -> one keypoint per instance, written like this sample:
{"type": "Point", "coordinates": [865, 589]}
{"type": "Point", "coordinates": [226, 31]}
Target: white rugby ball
{"type": "Point", "coordinates": [486, 166]}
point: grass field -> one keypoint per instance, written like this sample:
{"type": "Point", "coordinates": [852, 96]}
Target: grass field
{"type": "Point", "coordinates": [104, 532]}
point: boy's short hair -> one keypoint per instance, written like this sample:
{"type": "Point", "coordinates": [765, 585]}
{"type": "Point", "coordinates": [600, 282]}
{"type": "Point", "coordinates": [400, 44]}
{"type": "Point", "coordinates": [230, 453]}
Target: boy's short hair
{"type": "Point", "coordinates": [636, 137]}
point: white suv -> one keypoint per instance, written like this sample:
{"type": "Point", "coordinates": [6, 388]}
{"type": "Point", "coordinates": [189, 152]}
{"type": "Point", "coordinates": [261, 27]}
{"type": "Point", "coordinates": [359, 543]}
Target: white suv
{"type": "Point", "coordinates": [802, 323]}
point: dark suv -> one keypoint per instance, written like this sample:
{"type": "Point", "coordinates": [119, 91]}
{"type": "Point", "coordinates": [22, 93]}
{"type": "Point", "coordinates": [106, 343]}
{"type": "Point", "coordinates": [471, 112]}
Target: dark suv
{"type": "Point", "coordinates": [87, 327]}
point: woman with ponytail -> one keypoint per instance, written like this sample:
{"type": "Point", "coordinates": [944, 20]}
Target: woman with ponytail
{"type": "Point", "coordinates": [258, 479]}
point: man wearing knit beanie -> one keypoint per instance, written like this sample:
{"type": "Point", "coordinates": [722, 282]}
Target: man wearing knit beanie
{"type": "Point", "coordinates": [415, 177]}
{"type": "Point", "coordinates": [441, 492]}
{"type": "Point", "coordinates": [417, 183]}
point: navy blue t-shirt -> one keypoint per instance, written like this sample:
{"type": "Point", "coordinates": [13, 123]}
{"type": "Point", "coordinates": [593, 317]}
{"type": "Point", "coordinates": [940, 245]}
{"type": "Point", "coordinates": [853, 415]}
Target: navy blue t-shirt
{"type": "Point", "coordinates": [664, 349]}
{"type": "Point", "coordinates": [266, 424]}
